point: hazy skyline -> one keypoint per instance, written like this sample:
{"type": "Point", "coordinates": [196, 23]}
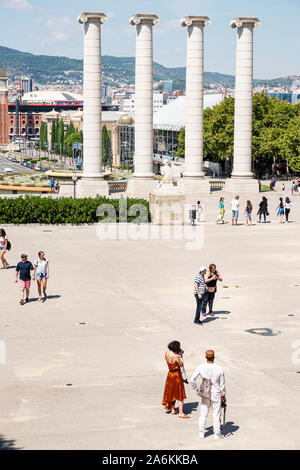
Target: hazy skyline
{"type": "Point", "coordinates": [40, 27]}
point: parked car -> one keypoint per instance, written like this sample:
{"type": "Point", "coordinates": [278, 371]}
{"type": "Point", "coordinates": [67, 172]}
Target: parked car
{"type": "Point", "coordinates": [14, 160]}
{"type": "Point", "coordinates": [8, 170]}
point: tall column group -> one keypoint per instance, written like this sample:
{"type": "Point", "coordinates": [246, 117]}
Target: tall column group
{"type": "Point", "coordinates": [143, 179]}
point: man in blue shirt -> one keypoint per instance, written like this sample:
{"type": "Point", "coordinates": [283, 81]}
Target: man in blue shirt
{"type": "Point", "coordinates": [23, 273]}
{"type": "Point", "coordinates": [199, 291]}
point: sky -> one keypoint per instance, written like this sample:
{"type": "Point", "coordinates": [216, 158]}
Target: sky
{"type": "Point", "coordinates": [50, 27]}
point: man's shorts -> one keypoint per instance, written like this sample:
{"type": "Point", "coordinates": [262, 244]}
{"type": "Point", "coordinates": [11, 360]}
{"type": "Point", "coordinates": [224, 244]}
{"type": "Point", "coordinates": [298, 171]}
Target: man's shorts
{"type": "Point", "coordinates": [235, 214]}
{"type": "Point", "coordinates": [24, 284]}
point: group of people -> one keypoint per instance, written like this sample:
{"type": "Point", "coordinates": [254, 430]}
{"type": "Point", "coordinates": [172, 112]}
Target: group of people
{"type": "Point", "coordinates": [205, 288]}
{"type": "Point", "coordinates": [54, 185]}
{"type": "Point", "coordinates": [211, 388]}
{"type": "Point", "coordinates": [24, 268]}
{"type": "Point", "coordinates": [283, 208]}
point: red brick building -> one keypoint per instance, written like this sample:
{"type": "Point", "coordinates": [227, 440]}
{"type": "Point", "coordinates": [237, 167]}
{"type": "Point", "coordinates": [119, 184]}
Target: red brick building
{"type": "Point", "coordinates": [3, 108]}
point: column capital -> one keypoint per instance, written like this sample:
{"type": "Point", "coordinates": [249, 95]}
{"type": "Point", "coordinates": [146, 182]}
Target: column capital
{"type": "Point", "coordinates": [139, 18]}
{"type": "Point", "coordinates": [191, 20]}
{"type": "Point", "coordinates": [87, 16]}
{"type": "Point", "coordinates": [244, 21]}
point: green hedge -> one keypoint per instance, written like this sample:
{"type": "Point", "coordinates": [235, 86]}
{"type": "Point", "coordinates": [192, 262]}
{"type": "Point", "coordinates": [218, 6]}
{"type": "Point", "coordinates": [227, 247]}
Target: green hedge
{"type": "Point", "coordinates": [46, 210]}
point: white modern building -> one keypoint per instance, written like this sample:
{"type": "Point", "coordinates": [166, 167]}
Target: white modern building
{"type": "Point", "coordinates": [158, 103]}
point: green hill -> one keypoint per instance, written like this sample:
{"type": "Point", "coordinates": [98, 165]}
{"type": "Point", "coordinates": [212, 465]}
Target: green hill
{"type": "Point", "coordinates": [50, 69]}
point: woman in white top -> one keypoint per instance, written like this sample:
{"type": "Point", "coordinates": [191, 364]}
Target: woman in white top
{"type": "Point", "coordinates": [199, 210]}
{"type": "Point", "coordinates": [3, 248]}
{"type": "Point", "coordinates": [287, 208]}
{"type": "Point", "coordinates": [41, 273]}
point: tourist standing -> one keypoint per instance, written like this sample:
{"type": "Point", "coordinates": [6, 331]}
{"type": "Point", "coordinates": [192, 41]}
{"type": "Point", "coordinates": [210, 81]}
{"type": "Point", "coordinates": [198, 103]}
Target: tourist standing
{"type": "Point", "coordinates": [41, 273]}
{"type": "Point", "coordinates": [287, 208]}
{"type": "Point", "coordinates": [235, 204]}
{"type": "Point", "coordinates": [23, 272]}
{"type": "Point", "coordinates": [57, 186]}
{"type": "Point", "coordinates": [174, 387]}
{"type": "Point", "coordinates": [213, 376]}
{"type": "Point", "coordinates": [272, 184]}
{"type": "Point", "coordinates": [280, 209]}
{"type": "Point", "coordinates": [248, 213]}
{"type": "Point", "coordinates": [3, 248]}
{"type": "Point", "coordinates": [199, 291]}
{"type": "Point", "coordinates": [263, 209]}
{"type": "Point", "coordinates": [293, 188]}
{"type": "Point", "coordinates": [199, 210]}
{"type": "Point", "coordinates": [221, 211]}
{"type": "Point", "coordinates": [52, 184]}
{"type": "Point", "coordinates": [211, 279]}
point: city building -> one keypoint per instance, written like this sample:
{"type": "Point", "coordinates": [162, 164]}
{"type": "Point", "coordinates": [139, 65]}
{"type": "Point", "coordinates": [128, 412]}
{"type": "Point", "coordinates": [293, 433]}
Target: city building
{"type": "Point", "coordinates": [3, 108]}
{"type": "Point", "coordinates": [26, 84]}
{"type": "Point", "coordinates": [158, 103]}
{"type": "Point", "coordinates": [292, 98]}
{"type": "Point", "coordinates": [168, 86]}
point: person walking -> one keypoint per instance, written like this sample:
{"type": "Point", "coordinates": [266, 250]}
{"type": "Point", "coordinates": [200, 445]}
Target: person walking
{"type": "Point", "coordinates": [57, 186]}
{"type": "Point", "coordinates": [248, 213]}
{"type": "Point", "coordinates": [52, 185]}
{"type": "Point", "coordinates": [280, 209]}
{"type": "Point", "coordinates": [41, 274]}
{"type": "Point", "coordinates": [221, 211]}
{"type": "Point", "coordinates": [263, 209]}
{"type": "Point", "coordinates": [235, 204]}
{"type": "Point", "coordinates": [214, 377]}
{"type": "Point", "coordinates": [23, 272]}
{"type": "Point", "coordinates": [3, 248]}
{"type": "Point", "coordinates": [174, 387]}
{"type": "Point", "coordinates": [211, 279]}
{"type": "Point", "coordinates": [293, 188]}
{"type": "Point", "coordinates": [199, 291]}
{"type": "Point", "coordinates": [287, 208]}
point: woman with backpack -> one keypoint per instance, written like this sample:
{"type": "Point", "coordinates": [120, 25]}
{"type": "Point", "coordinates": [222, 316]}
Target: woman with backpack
{"type": "Point", "coordinates": [3, 248]}
{"type": "Point", "coordinates": [280, 209]}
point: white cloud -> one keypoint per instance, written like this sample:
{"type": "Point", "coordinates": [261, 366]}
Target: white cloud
{"type": "Point", "coordinates": [18, 4]}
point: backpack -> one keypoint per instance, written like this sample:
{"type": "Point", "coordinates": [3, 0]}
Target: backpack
{"type": "Point", "coordinates": [8, 245]}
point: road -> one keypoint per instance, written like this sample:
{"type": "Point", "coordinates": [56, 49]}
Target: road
{"type": "Point", "coordinates": [16, 167]}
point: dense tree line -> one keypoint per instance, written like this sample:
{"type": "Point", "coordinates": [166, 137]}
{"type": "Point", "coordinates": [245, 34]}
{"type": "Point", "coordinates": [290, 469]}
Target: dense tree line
{"type": "Point", "coordinates": [276, 134]}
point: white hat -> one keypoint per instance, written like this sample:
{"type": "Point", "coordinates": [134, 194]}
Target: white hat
{"type": "Point", "coordinates": [203, 268]}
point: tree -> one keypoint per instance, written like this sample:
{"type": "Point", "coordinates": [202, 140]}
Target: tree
{"type": "Point", "coordinates": [53, 135]}
{"type": "Point", "coordinates": [181, 143]}
{"type": "Point", "coordinates": [106, 145]}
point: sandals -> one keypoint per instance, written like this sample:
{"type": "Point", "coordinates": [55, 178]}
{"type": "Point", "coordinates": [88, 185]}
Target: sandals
{"type": "Point", "coordinates": [184, 416]}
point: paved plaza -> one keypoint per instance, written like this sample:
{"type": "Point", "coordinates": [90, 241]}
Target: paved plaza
{"type": "Point", "coordinates": [86, 369]}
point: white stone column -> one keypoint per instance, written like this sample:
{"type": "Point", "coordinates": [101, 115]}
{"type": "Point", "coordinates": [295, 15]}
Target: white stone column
{"type": "Point", "coordinates": [92, 181]}
{"type": "Point", "coordinates": [143, 177]}
{"type": "Point", "coordinates": [193, 165]}
{"type": "Point", "coordinates": [242, 160]}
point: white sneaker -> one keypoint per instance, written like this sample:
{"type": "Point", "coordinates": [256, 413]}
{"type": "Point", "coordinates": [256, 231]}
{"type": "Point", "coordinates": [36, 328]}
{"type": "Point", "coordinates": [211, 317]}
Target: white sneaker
{"type": "Point", "coordinates": [201, 435]}
{"type": "Point", "coordinates": [217, 437]}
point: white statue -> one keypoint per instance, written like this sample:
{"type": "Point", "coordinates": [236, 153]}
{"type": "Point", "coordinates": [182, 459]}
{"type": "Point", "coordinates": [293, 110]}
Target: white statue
{"type": "Point", "coordinates": [170, 182]}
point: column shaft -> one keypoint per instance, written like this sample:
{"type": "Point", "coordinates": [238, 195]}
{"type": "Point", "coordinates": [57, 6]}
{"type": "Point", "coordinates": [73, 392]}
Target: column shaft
{"type": "Point", "coordinates": [143, 158]}
{"type": "Point", "coordinates": [194, 103]}
{"type": "Point", "coordinates": [242, 160]}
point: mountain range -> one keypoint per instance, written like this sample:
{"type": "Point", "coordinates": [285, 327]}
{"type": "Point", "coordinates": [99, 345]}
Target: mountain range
{"type": "Point", "coordinates": [52, 69]}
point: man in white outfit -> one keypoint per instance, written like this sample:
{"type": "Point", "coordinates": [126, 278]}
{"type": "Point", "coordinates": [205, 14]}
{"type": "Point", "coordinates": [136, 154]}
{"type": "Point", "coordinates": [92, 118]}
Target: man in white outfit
{"type": "Point", "coordinates": [210, 370]}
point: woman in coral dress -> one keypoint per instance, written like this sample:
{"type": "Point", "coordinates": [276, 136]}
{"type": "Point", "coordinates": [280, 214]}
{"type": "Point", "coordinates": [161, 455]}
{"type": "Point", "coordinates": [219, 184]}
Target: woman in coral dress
{"type": "Point", "coordinates": [174, 388]}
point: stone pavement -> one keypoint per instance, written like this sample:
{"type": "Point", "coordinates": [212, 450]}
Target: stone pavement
{"type": "Point", "coordinates": [113, 307]}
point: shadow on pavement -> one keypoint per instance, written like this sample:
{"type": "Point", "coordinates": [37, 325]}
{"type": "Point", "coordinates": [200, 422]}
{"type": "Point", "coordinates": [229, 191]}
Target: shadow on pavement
{"type": "Point", "coordinates": [227, 430]}
{"type": "Point", "coordinates": [7, 445]}
{"type": "Point", "coordinates": [190, 407]}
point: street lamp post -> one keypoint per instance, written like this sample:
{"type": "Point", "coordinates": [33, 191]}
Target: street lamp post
{"type": "Point", "coordinates": [74, 179]}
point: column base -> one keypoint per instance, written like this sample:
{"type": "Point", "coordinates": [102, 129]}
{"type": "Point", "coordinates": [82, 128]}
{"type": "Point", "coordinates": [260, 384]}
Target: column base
{"type": "Point", "coordinates": [242, 186]}
{"type": "Point", "coordinates": [91, 187]}
{"type": "Point", "coordinates": [196, 188]}
{"type": "Point", "coordinates": [141, 187]}
{"type": "Point", "coordinates": [167, 209]}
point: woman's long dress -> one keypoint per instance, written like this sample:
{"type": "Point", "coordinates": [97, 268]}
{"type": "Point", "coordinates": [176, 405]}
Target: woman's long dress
{"type": "Point", "coordinates": [174, 388]}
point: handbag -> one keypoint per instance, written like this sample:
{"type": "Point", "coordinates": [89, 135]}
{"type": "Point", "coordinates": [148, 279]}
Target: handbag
{"type": "Point", "coordinates": [204, 391]}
